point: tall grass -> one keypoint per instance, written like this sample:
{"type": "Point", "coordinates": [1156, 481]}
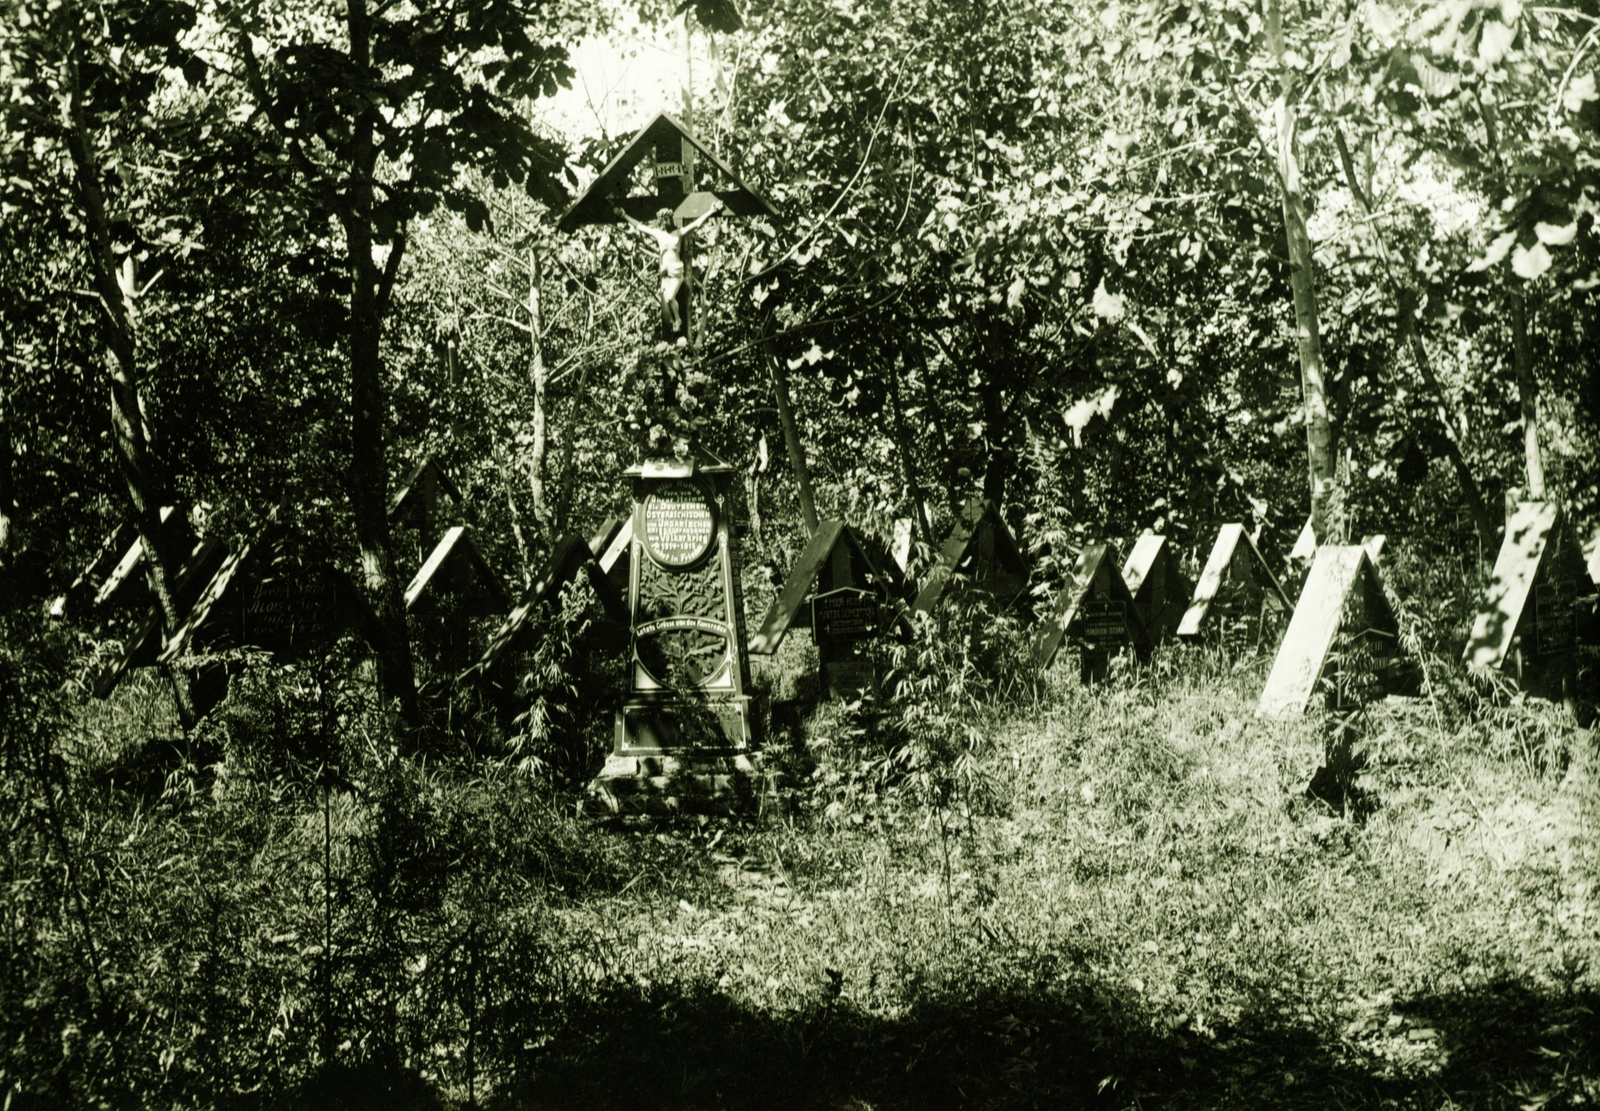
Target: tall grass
{"type": "Point", "coordinates": [987, 888]}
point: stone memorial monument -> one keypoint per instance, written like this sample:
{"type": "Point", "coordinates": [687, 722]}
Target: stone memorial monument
{"type": "Point", "coordinates": [685, 736]}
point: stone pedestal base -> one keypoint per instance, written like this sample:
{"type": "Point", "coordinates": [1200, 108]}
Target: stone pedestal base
{"type": "Point", "coordinates": [682, 783]}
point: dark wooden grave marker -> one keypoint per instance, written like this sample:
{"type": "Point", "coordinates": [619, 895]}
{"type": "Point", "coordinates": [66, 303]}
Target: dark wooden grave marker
{"type": "Point", "coordinates": [1343, 593]}
{"type": "Point", "coordinates": [1236, 589]}
{"type": "Point", "coordinates": [854, 597]}
{"type": "Point", "coordinates": [1527, 622]}
{"type": "Point", "coordinates": [1161, 591]}
{"type": "Point", "coordinates": [1095, 607]}
{"type": "Point", "coordinates": [116, 574]}
{"type": "Point", "coordinates": [572, 556]}
{"type": "Point", "coordinates": [145, 644]}
{"type": "Point", "coordinates": [417, 500]}
{"type": "Point", "coordinates": [982, 552]}
{"type": "Point", "coordinates": [456, 578]}
{"type": "Point", "coordinates": [278, 593]}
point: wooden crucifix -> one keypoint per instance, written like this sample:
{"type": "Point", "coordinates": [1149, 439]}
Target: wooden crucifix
{"type": "Point", "coordinates": [670, 214]}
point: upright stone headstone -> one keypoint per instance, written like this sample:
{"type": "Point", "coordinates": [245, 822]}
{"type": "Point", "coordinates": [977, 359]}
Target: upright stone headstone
{"type": "Point", "coordinates": [1527, 622]}
{"type": "Point", "coordinates": [852, 595]}
{"type": "Point", "coordinates": [983, 556]}
{"type": "Point", "coordinates": [1097, 608]}
{"type": "Point", "coordinates": [1237, 596]}
{"type": "Point", "coordinates": [1343, 594]}
{"type": "Point", "coordinates": [1161, 591]}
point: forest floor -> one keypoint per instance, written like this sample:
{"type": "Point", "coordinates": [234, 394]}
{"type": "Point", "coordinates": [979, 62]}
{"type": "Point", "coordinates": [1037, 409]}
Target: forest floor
{"type": "Point", "coordinates": [1135, 904]}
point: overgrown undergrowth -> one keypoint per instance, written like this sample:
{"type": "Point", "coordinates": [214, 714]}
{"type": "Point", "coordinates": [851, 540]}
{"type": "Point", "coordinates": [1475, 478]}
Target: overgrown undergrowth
{"type": "Point", "coordinates": [1119, 897]}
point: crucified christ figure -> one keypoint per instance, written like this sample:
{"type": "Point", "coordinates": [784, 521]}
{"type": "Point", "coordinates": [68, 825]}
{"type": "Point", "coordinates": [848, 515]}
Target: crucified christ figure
{"type": "Point", "coordinates": [670, 242]}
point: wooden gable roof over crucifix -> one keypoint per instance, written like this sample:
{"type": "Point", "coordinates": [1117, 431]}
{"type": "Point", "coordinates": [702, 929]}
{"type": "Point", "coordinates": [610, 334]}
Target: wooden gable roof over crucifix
{"type": "Point", "coordinates": [674, 150]}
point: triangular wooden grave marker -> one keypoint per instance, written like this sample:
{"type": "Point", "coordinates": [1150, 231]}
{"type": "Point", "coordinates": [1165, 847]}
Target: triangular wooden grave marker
{"type": "Point", "coordinates": [417, 500]}
{"type": "Point", "coordinates": [1539, 562]}
{"type": "Point", "coordinates": [1305, 545]}
{"type": "Point", "coordinates": [674, 150]}
{"type": "Point", "coordinates": [572, 555]}
{"type": "Point", "coordinates": [125, 579]}
{"type": "Point", "coordinates": [142, 648]}
{"type": "Point", "coordinates": [1236, 580]}
{"type": "Point", "coordinates": [1160, 589]}
{"type": "Point", "coordinates": [280, 592]}
{"type": "Point", "coordinates": [457, 577]}
{"type": "Point", "coordinates": [1343, 584]}
{"type": "Point", "coordinates": [835, 559]}
{"type": "Point", "coordinates": [115, 575]}
{"type": "Point", "coordinates": [1096, 604]}
{"type": "Point", "coordinates": [982, 550]}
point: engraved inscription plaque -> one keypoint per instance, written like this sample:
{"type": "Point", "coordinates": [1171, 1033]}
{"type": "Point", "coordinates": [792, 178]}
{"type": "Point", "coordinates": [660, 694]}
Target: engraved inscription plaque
{"type": "Point", "coordinates": [680, 524]}
{"type": "Point", "coordinates": [845, 615]}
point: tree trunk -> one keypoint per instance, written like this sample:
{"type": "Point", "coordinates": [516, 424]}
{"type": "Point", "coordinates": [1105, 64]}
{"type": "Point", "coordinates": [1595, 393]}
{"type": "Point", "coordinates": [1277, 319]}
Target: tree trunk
{"type": "Point", "coordinates": [369, 486]}
{"type": "Point", "coordinates": [1482, 519]}
{"type": "Point", "coordinates": [1527, 394]}
{"type": "Point", "coordinates": [8, 494]}
{"type": "Point", "coordinates": [1405, 305]}
{"type": "Point", "coordinates": [116, 289]}
{"type": "Point", "coordinates": [908, 465]}
{"type": "Point", "coordinates": [369, 478]}
{"type": "Point", "coordinates": [791, 435]}
{"type": "Point", "coordinates": [1308, 333]}
{"type": "Point", "coordinates": [536, 374]}
{"type": "Point", "coordinates": [997, 463]}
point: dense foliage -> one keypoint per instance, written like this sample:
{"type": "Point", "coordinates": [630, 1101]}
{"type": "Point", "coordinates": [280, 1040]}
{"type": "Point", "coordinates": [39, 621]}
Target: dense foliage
{"type": "Point", "coordinates": [1113, 267]}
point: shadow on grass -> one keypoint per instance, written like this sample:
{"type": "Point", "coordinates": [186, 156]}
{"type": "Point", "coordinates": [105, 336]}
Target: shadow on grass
{"type": "Point", "coordinates": [693, 1047]}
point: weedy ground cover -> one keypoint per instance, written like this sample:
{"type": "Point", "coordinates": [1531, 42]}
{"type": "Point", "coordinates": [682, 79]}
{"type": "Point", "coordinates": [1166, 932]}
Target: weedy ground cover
{"type": "Point", "coordinates": [1141, 907]}
{"type": "Point", "coordinates": [985, 890]}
